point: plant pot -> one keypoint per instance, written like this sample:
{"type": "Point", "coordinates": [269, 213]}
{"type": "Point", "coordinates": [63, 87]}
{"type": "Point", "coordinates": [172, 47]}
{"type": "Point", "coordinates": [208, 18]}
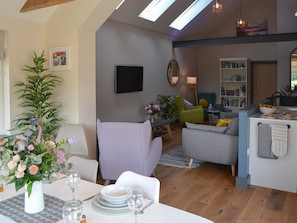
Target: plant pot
{"type": "Point", "coordinates": [34, 203]}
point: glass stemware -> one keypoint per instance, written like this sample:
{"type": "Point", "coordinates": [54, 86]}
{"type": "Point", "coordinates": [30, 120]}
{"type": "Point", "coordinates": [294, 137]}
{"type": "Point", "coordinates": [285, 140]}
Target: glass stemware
{"type": "Point", "coordinates": [72, 181]}
{"type": "Point", "coordinates": [135, 201]}
{"type": "Point", "coordinates": [72, 211]}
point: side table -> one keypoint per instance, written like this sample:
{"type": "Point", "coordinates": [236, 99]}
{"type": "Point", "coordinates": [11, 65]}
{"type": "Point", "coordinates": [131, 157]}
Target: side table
{"type": "Point", "coordinates": [163, 126]}
{"type": "Point", "coordinates": [213, 116]}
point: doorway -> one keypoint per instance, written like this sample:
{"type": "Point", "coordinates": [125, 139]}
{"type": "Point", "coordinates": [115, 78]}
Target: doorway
{"type": "Point", "coordinates": [263, 79]}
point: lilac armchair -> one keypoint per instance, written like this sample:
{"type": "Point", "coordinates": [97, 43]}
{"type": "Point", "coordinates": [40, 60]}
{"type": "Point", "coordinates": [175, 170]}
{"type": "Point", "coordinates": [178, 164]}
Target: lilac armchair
{"type": "Point", "coordinates": [125, 146]}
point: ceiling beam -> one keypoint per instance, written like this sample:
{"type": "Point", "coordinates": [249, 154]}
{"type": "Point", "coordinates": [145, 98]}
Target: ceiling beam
{"type": "Point", "coordinates": [31, 5]}
{"type": "Point", "coordinates": [236, 40]}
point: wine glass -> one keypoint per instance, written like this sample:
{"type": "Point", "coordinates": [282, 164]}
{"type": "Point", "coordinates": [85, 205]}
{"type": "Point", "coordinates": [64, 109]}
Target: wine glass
{"type": "Point", "coordinates": [72, 180]}
{"type": "Point", "coordinates": [135, 200]}
{"type": "Point", "coordinates": [72, 211]}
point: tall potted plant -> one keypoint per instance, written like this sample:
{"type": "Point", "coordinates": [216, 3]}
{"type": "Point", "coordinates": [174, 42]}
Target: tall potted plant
{"type": "Point", "coordinates": [36, 95]}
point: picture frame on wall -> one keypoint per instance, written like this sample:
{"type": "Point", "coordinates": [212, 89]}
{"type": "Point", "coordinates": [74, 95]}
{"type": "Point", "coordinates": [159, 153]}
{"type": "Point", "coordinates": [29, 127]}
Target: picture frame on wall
{"type": "Point", "coordinates": [60, 58]}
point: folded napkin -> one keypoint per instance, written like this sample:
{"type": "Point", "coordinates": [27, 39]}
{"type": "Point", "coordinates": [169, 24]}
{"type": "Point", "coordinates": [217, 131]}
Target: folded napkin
{"type": "Point", "coordinates": [279, 136]}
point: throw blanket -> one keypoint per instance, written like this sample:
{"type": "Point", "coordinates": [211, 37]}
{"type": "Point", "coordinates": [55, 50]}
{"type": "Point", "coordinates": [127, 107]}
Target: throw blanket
{"type": "Point", "coordinates": [279, 136]}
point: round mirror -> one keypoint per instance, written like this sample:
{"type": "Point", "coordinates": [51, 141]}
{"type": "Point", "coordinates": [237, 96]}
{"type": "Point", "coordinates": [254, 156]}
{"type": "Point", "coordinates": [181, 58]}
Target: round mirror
{"type": "Point", "coordinates": [293, 73]}
{"type": "Point", "coordinates": [173, 72]}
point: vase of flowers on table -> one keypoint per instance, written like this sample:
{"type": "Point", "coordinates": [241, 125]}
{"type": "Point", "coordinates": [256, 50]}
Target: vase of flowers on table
{"type": "Point", "coordinates": [152, 109]}
{"type": "Point", "coordinates": [28, 160]}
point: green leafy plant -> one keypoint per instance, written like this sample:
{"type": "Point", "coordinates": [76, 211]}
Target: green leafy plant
{"type": "Point", "coordinates": [168, 106]}
{"type": "Point", "coordinates": [36, 96]}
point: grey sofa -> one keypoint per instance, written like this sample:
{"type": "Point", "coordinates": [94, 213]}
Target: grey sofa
{"type": "Point", "coordinates": [212, 144]}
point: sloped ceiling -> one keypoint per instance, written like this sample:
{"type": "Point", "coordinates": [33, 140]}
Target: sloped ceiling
{"type": "Point", "coordinates": [200, 27]}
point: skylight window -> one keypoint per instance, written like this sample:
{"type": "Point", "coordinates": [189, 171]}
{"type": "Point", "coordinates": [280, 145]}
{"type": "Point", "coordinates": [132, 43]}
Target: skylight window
{"type": "Point", "coordinates": [189, 14]}
{"type": "Point", "coordinates": [155, 9]}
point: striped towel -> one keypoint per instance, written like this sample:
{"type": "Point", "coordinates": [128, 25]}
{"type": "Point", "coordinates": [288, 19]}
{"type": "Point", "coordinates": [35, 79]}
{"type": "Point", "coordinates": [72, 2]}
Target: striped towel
{"type": "Point", "coordinates": [279, 136]}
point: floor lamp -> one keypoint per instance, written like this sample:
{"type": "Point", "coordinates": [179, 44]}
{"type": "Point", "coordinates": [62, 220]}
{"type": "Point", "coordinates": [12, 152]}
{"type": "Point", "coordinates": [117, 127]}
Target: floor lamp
{"type": "Point", "coordinates": [192, 81]}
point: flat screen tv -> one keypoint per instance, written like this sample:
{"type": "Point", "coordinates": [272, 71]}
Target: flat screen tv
{"type": "Point", "coordinates": [128, 79]}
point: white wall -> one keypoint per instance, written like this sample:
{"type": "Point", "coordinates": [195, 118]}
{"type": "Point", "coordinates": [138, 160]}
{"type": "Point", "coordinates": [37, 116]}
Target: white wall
{"type": "Point", "coordinates": [22, 39]}
{"type": "Point", "coordinates": [121, 44]}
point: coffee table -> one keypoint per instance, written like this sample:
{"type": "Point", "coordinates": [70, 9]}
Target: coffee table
{"type": "Point", "coordinates": [163, 126]}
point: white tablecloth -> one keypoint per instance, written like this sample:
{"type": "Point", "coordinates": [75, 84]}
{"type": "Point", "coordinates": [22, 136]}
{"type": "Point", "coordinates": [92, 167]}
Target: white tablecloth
{"type": "Point", "coordinates": [157, 212]}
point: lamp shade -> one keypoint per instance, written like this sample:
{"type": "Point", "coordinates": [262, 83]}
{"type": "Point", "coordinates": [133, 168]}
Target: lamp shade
{"type": "Point", "coordinates": [191, 80]}
{"type": "Point", "coordinates": [174, 80]}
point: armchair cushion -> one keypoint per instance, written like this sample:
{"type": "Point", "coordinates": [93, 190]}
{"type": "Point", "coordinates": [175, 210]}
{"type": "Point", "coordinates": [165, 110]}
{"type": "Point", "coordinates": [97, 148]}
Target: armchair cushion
{"type": "Point", "coordinates": [187, 105]}
{"type": "Point", "coordinates": [233, 127]}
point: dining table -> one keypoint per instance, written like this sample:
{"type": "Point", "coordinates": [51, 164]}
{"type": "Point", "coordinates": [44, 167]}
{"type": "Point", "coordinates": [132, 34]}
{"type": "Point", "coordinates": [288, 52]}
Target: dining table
{"type": "Point", "coordinates": [57, 193]}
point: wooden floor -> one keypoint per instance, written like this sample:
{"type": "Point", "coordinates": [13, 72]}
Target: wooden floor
{"type": "Point", "coordinates": [209, 191]}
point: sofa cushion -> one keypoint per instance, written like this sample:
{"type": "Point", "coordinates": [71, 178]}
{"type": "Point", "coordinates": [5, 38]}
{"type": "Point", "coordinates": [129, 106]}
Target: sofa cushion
{"type": "Point", "coordinates": [232, 128]}
{"type": "Point", "coordinates": [228, 115]}
{"type": "Point", "coordinates": [187, 105]}
{"type": "Point", "coordinates": [223, 122]}
{"type": "Point", "coordinates": [208, 128]}
{"type": "Point", "coordinates": [203, 102]}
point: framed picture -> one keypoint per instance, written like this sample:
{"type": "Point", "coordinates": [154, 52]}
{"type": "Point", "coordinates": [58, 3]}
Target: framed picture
{"type": "Point", "coordinates": [59, 58]}
{"type": "Point", "coordinates": [252, 28]}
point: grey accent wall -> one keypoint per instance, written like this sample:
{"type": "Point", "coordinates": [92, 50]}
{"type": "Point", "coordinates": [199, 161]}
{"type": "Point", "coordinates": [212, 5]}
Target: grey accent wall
{"type": "Point", "coordinates": [121, 44]}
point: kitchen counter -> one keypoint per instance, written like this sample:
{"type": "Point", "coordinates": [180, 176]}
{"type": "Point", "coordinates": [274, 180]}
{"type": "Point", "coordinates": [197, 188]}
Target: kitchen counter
{"type": "Point", "coordinates": [277, 173]}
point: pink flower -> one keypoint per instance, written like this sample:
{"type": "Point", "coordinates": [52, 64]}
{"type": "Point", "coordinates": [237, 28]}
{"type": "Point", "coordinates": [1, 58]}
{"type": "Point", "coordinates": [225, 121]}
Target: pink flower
{"type": "Point", "coordinates": [19, 174]}
{"type": "Point", "coordinates": [30, 147]}
{"type": "Point", "coordinates": [2, 143]}
{"type": "Point", "coordinates": [21, 168]}
{"type": "Point", "coordinates": [11, 165]}
{"type": "Point", "coordinates": [16, 158]}
{"type": "Point", "coordinates": [60, 156]}
{"type": "Point", "coordinates": [33, 169]}
{"type": "Point", "coordinates": [157, 107]}
{"type": "Point", "coordinates": [149, 111]}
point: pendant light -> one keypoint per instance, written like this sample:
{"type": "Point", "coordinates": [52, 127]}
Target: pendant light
{"type": "Point", "coordinates": [240, 22]}
{"type": "Point", "coordinates": [217, 6]}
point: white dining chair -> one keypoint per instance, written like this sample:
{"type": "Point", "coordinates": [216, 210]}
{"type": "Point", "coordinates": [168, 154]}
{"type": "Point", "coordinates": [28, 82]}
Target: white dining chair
{"type": "Point", "coordinates": [88, 169]}
{"type": "Point", "coordinates": [149, 185]}
{"type": "Point", "coordinates": [80, 147]}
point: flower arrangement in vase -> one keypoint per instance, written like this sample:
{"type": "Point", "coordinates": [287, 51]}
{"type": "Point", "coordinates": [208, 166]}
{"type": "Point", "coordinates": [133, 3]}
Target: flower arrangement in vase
{"type": "Point", "coordinates": [28, 158]}
{"type": "Point", "coordinates": [152, 109]}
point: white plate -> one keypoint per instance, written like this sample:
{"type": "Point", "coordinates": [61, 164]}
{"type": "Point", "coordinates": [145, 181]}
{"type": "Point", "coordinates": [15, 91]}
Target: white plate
{"type": "Point", "coordinates": [108, 204]}
{"type": "Point", "coordinates": [109, 210]}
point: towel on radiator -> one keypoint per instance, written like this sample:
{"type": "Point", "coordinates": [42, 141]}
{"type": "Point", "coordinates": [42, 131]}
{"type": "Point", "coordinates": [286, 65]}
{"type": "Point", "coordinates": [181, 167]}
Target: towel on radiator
{"type": "Point", "coordinates": [264, 142]}
{"type": "Point", "coordinates": [279, 136]}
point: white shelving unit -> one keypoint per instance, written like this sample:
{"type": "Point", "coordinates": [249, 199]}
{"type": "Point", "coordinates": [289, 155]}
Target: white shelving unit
{"type": "Point", "coordinates": [234, 75]}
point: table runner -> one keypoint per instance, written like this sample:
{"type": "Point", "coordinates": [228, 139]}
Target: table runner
{"type": "Point", "coordinates": [14, 209]}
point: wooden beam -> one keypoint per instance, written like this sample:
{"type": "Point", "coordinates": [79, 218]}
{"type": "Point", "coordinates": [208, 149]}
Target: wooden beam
{"type": "Point", "coordinates": [31, 5]}
{"type": "Point", "coordinates": [236, 40]}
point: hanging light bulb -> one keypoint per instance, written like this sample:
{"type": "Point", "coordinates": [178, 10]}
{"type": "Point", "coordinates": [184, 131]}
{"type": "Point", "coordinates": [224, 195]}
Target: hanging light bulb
{"type": "Point", "coordinates": [241, 21]}
{"type": "Point", "coordinates": [217, 7]}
